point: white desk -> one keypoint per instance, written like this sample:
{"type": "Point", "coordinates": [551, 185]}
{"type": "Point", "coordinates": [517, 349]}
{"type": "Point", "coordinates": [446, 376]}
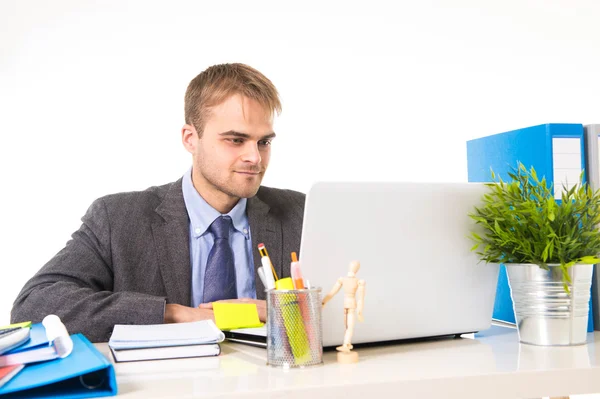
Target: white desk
{"type": "Point", "coordinates": [493, 365]}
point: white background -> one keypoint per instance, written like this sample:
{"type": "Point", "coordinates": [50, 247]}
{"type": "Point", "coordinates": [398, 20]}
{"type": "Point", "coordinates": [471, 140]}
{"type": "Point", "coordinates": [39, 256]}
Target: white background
{"type": "Point", "coordinates": [91, 94]}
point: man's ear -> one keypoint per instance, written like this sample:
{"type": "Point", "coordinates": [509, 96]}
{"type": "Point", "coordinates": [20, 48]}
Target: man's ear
{"type": "Point", "coordinates": [189, 138]}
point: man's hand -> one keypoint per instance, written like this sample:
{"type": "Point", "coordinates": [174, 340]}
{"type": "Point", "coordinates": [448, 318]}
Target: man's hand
{"type": "Point", "coordinates": [261, 306]}
{"type": "Point", "coordinates": [175, 313]}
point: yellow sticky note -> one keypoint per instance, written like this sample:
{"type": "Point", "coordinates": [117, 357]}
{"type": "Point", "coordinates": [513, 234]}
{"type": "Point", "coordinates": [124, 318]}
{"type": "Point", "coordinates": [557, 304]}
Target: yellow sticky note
{"type": "Point", "coordinates": [229, 316]}
{"type": "Point", "coordinates": [23, 324]}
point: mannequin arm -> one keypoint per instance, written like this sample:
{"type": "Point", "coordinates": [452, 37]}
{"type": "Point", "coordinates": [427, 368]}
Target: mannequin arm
{"type": "Point", "coordinates": [361, 299]}
{"type": "Point", "coordinates": [334, 290]}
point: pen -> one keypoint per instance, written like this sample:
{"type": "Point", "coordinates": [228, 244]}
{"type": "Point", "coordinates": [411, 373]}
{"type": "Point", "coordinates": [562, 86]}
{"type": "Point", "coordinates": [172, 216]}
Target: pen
{"type": "Point", "coordinates": [269, 282]}
{"type": "Point", "coordinates": [296, 273]}
{"type": "Point", "coordinates": [261, 274]}
{"type": "Point", "coordinates": [264, 254]}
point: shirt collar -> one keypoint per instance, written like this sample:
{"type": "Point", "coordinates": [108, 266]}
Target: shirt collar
{"type": "Point", "coordinates": [202, 215]}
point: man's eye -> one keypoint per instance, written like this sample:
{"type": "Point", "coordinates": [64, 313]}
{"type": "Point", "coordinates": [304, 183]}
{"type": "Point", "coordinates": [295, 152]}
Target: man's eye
{"type": "Point", "coordinates": [264, 143]}
{"type": "Point", "coordinates": [237, 141]}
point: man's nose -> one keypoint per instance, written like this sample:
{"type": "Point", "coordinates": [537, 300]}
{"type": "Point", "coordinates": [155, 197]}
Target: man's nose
{"type": "Point", "coordinates": [252, 153]}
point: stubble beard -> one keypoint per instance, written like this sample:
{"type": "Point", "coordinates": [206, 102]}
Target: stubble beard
{"type": "Point", "coordinates": [227, 185]}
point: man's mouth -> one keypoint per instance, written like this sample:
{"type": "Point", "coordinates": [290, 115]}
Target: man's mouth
{"type": "Point", "coordinates": [248, 172]}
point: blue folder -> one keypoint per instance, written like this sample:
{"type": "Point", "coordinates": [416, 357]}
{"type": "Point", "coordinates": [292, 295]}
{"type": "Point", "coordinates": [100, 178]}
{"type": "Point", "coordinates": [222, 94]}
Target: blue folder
{"type": "Point", "coordinates": [532, 146]}
{"type": "Point", "coordinates": [85, 373]}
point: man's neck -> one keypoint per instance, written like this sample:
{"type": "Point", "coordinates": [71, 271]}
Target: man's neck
{"type": "Point", "coordinates": [222, 202]}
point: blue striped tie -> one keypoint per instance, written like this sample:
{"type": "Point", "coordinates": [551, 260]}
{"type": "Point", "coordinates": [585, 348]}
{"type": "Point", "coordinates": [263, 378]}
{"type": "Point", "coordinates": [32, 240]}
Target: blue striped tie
{"type": "Point", "coordinates": [219, 277]}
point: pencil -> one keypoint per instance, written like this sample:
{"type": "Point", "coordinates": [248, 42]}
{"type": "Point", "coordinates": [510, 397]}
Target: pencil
{"type": "Point", "coordinates": [263, 252]}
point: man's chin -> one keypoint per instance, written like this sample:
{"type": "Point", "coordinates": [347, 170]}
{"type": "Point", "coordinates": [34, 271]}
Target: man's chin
{"type": "Point", "coordinates": [245, 192]}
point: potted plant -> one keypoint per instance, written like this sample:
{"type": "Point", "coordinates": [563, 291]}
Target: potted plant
{"type": "Point", "coordinates": [548, 246]}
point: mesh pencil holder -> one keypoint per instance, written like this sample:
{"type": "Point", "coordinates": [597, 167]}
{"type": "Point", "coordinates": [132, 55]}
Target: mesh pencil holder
{"type": "Point", "coordinates": [294, 329]}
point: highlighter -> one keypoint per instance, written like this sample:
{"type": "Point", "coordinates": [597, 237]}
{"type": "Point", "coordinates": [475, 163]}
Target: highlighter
{"type": "Point", "coordinates": [304, 304]}
{"type": "Point", "coordinates": [293, 322]}
{"type": "Point", "coordinates": [296, 273]}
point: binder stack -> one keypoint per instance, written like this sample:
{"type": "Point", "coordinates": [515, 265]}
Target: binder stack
{"type": "Point", "coordinates": [592, 145]}
{"type": "Point", "coordinates": [84, 373]}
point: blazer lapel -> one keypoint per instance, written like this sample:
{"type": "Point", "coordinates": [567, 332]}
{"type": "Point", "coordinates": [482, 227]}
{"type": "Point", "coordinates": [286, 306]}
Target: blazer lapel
{"type": "Point", "coordinates": [172, 243]}
{"type": "Point", "coordinates": [264, 228]}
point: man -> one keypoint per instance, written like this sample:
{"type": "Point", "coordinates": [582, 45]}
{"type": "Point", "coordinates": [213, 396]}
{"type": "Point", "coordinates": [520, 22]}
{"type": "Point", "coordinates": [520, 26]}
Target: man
{"type": "Point", "coordinates": [166, 253]}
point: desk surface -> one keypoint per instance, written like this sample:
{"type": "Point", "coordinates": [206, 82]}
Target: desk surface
{"type": "Point", "coordinates": [492, 365]}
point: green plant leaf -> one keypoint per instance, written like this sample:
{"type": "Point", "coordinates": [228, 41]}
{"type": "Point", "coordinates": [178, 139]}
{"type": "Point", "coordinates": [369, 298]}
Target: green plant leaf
{"type": "Point", "coordinates": [590, 260]}
{"type": "Point", "coordinates": [522, 222]}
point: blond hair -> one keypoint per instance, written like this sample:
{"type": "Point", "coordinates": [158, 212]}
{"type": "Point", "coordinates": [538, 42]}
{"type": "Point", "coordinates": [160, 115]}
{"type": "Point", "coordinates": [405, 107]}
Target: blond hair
{"type": "Point", "coordinates": [218, 82]}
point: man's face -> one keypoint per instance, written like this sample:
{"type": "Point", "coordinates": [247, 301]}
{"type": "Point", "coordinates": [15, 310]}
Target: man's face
{"type": "Point", "coordinates": [232, 155]}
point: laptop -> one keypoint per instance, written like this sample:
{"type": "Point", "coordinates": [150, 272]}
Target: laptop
{"type": "Point", "coordinates": [422, 280]}
{"type": "Point", "coordinates": [411, 239]}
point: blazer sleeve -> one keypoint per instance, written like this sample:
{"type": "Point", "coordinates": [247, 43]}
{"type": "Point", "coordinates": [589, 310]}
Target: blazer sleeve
{"type": "Point", "coordinates": [77, 286]}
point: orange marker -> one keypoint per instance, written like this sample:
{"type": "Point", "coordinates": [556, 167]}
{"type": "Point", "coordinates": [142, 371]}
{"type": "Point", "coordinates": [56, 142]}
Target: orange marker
{"type": "Point", "coordinates": [264, 254]}
{"type": "Point", "coordinates": [296, 273]}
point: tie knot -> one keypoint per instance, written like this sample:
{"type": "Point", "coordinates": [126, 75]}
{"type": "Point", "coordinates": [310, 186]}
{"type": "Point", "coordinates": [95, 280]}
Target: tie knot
{"type": "Point", "coordinates": [220, 227]}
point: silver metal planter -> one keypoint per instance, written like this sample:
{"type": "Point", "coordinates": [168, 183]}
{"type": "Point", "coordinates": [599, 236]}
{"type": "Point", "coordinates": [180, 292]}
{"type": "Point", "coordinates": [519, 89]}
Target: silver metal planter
{"type": "Point", "coordinates": [545, 313]}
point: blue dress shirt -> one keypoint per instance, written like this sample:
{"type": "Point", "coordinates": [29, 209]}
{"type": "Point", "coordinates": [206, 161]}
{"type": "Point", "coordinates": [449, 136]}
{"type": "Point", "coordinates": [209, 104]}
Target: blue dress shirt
{"type": "Point", "coordinates": [201, 216]}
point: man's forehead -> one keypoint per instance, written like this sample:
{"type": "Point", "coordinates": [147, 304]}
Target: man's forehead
{"type": "Point", "coordinates": [237, 104]}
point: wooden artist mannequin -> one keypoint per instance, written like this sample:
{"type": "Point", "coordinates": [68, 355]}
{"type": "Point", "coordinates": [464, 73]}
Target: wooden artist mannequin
{"type": "Point", "coordinates": [353, 288]}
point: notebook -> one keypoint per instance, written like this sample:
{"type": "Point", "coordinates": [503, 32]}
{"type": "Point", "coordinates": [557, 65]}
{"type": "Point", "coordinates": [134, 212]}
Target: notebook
{"type": "Point", "coordinates": [11, 338]}
{"type": "Point", "coordinates": [47, 340]}
{"type": "Point", "coordinates": [8, 372]}
{"type": "Point", "coordinates": [165, 352]}
{"type": "Point", "coordinates": [165, 341]}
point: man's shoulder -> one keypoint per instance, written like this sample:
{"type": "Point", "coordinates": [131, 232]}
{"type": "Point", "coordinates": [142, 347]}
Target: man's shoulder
{"type": "Point", "coordinates": [281, 198]}
{"type": "Point", "coordinates": [150, 198]}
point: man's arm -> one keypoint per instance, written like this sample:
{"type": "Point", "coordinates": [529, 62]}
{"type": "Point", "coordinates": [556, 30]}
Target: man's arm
{"type": "Point", "coordinates": [175, 313]}
{"type": "Point", "coordinates": [77, 285]}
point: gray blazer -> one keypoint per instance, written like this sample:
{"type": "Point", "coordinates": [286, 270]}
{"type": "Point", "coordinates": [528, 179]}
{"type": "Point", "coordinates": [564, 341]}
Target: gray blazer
{"type": "Point", "coordinates": [132, 253]}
